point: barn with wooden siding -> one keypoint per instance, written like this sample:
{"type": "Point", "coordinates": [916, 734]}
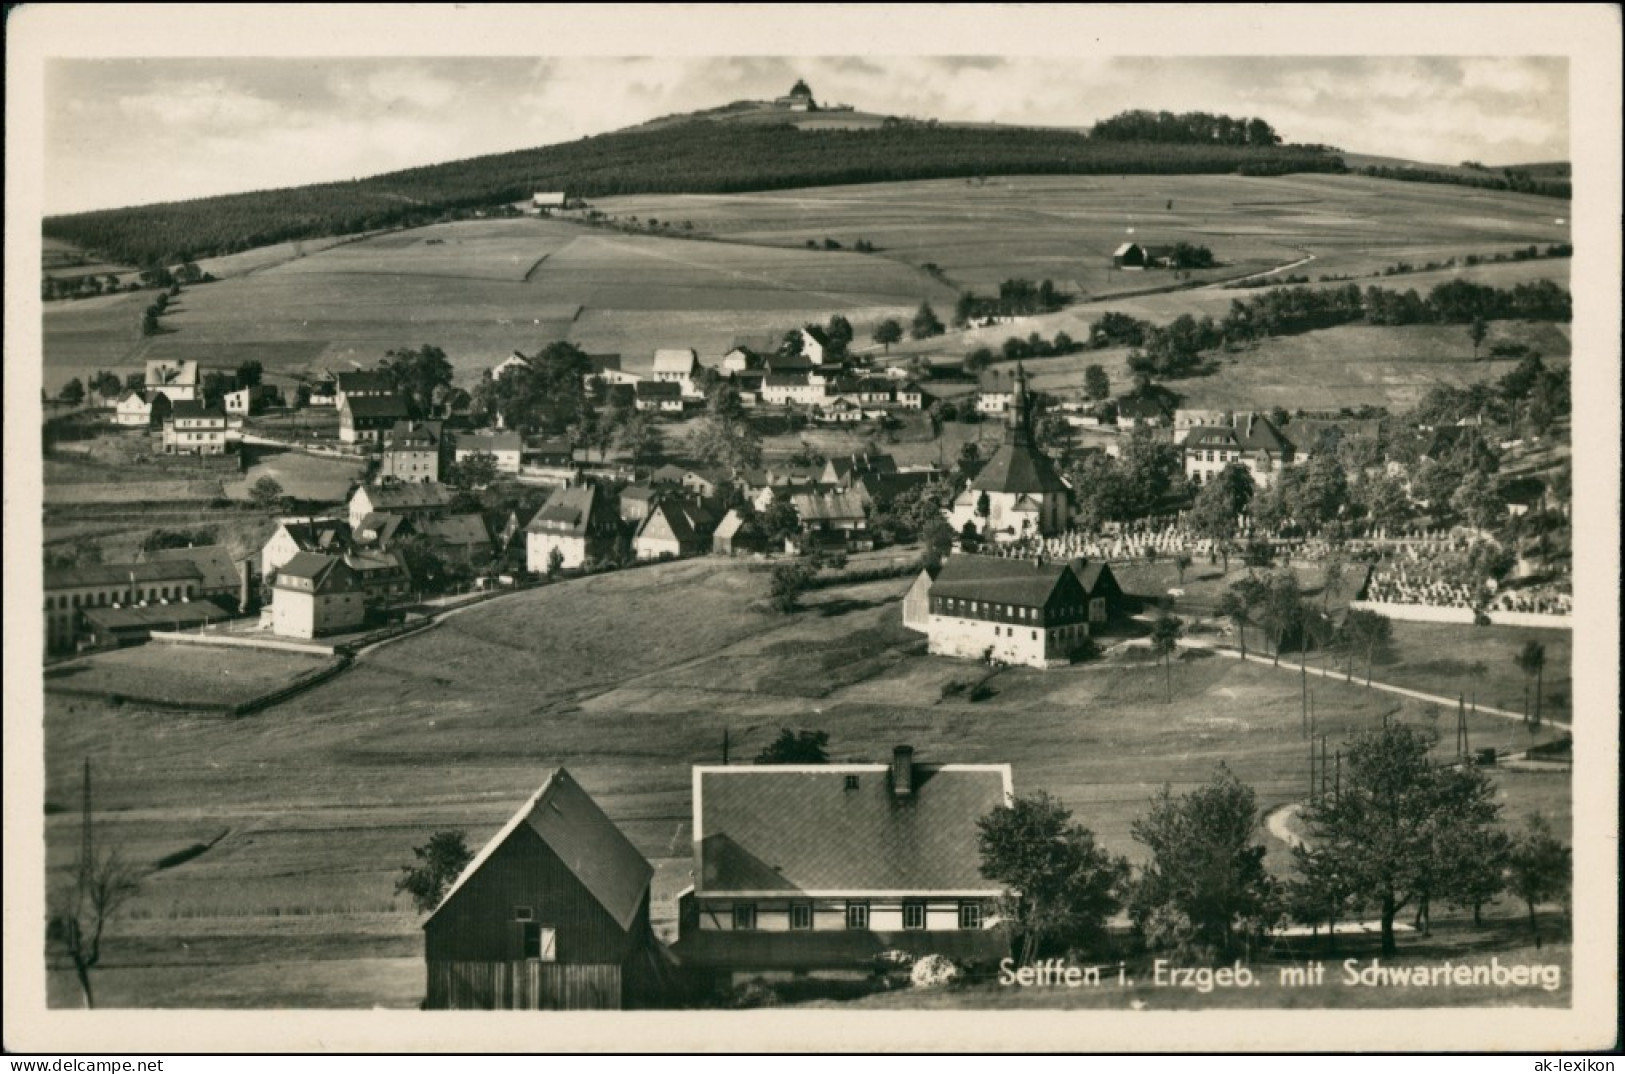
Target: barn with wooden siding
{"type": "Point", "coordinates": [553, 914]}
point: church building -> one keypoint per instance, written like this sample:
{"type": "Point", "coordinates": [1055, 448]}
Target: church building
{"type": "Point", "coordinates": [1018, 494]}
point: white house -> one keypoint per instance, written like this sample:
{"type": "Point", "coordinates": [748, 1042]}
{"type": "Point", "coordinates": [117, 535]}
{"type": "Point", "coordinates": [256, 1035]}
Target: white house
{"type": "Point", "coordinates": [176, 378]}
{"type": "Point", "coordinates": [678, 365]}
{"type": "Point", "coordinates": [784, 389]}
{"type": "Point", "coordinates": [315, 595]}
{"type": "Point", "coordinates": [194, 429]}
{"type": "Point", "coordinates": [133, 409]}
{"type": "Point", "coordinates": [547, 199]}
{"type": "Point", "coordinates": [507, 448]}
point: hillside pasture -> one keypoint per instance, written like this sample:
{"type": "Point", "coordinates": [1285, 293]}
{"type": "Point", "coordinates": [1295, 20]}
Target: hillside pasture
{"type": "Point", "coordinates": [184, 673]}
{"type": "Point", "coordinates": [321, 799]}
{"type": "Point", "coordinates": [315, 478]}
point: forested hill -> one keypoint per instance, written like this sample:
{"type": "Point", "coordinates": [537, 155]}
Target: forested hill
{"type": "Point", "coordinates": [699, 158]}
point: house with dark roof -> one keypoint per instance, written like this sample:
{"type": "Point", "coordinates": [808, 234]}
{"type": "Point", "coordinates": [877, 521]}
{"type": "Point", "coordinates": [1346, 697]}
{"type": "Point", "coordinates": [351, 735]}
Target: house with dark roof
{"type": "Point", "coordinates": [842, 471]}
{"type": "Point", "coordinates": [364, 419]}
{"type": "Point", "coordinates": [380, 530]}
{"type": "Point", "coordinates": [833, 521]}
{"type": "Point", "coordinates": [1019, 494]}
{"type": "Point", "coordinates": [362, 384]}
{"type": "Point", "coordinates": [551, 914]}
{"type": "Point", "coordinates": [737, 535]}
{"type": "Point", "coordinates": [72, 591]}
{"type": "Point", "coordinates": [194, 429]}
{"type": "Point", "coordinates": [675, 527]}
{"type": "Point", "coordinates": [507, 448]}
{"type": "Point", "coordinates": [660, 396]}
{"type": "Point", "coordinates": [413, 452]}
{"type": "Point", "coordinates": [1016, 610]}
{"type": "Point", "coordinates": [315, 595]}
{"type": "Point", "coordinates": [133, 409]}
{"type": "Point", "coordinates": [821, 869]}
{"type": "Point", "coordinates": [460, 538]}
{"type": "Point", "coordinates": [1253, 441]}
{"type": "Point", "coordinates": [408, 501]}
{"type": "Point", "coordinates": [219, 575]}
{"type": "Point", "coordinates": [294, 535]}
{"type": "Point", "coordinates": [581, 523]}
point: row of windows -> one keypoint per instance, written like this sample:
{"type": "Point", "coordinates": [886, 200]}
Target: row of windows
{"type": "Point", "coordinates": [102, 600]}
{"type": "Point", "coordinates": [857, 915]}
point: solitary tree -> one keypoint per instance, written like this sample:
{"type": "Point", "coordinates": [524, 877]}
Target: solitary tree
{"type": "Point", "coordinates": [1060, 884]}
{"type": "Point", "coordinates": [266, 493]}
{"type": "Point", "coordinates": [1205, 886]}
{"type": "Point", "coordinates": [439, 862]}
{"type": "Point", "coordinates": [1531, 660]}
{"type": "Point", "coordinates": [555, 561]}
{"type": "Point", "coordinates": [1165, 634]}
{"type": "Point", "coordinates": [786, 584]}
{"type": "Point", "coordinates": [796, 747]}
{"type": "Point", "coordinates": [1477, 331]}
{"type": "Point", "coordinates": [1394, 810]}
{"type": "Point", "coordinates": [82, 907]}
{"type": "Point", "coordinates": [1539, 869]}
{"type": "Point", "coordinates": [73, 392]}
{"type": "Point", "coordinates": [925, 323]}
{"type": "Point", "coordinates": [1096, 385]}
{"type": "Point", "coordinates": [888, 332]}
{"type": "Point", "coordinates": [1182, 563]}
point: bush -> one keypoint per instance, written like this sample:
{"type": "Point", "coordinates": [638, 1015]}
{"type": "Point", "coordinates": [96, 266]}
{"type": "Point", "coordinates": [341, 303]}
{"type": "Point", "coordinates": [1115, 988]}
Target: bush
{"type": "Point", "coordinates": [952, 689]}
{"type": "Point", "coordinates": [980, 692]}
{"type": "Point", "coordinates": [934, 971]}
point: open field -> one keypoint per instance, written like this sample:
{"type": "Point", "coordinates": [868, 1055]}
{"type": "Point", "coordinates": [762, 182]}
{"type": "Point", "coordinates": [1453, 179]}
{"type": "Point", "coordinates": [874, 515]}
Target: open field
{"type": "Point", "coordinates": [322, 798]}
{"type": "Point", "coordinates": [184, 672]}
{"type": "Point", "coordinates": [302, 477]}
{"type": "Point", "coordinates": [1065, 228]}
{"type": "Point", "coordinates": [481, 288]}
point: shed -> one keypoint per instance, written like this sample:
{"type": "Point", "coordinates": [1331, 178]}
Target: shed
{"type": "Point", "coordinates": [553, 914]}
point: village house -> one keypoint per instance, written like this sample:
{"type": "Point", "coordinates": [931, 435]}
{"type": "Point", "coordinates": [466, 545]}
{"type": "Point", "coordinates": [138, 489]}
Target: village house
{"type": "Point", "coordinates": [1132, 255]}
{"type": "Point", "coordinates": [659, 396]}
{"type": "Point", "coordinates": [674, 528]}
{"type": "Point", "coordinates": [551, 914]}
{"type": "Point", "coordinates": [175, 379]}
{"type": "Point", "coordinates": [863, 391]}
{"type": "Point", "coordinates": [294, 535]}
{"type": "Point", "coordinates": [194, 429]}
{"type": "Point", "coordinates": [636, 501]}
{"type": "Point", "coordinates": [72, 591]}
{"type": "Point", "coordinates": [1136, 411]}
{"type": "Point", "coordinates": [737, 535]}
{"type": "Point", "coordinates": [908, 396]}
{"type": "Point", "coordinates": [581, 523]}
{"type": "Point", "coordinates": [1015, 611]}
{"type": "Point", "coordinates": [133, 409]}
{"type": "Point", "coordinates": [547, 199]}
{"type": "Point", "coordinates": [363, 384]}
{"type": "Point", "coordinates": [705, 482]}
{"type": "Point", "coordinates": [461, 538]}
{"type": "Point", "coordinates": [607, 368]}
{"type": "Point", "coordinates": [245, 402]}
{"type": "Point", "coordinates": [552, 452]}
{"type": "Point", "coordinates": [839, 412]}
{"type": "Point", "coordinates": [363, 419]}
{"type": "Point", "coordinates": [785, 389]}
{"type": "Point", "coordinates": [412, 453]}
{"type": "Point", "coordinates": [842, 471]}
{"type": "Point", "coordinates": [1253, 441]}
{"type": "Point", "coordinates": [679, 366]}
{"type": "Point", "coordinates": [818, 869]}
{"type": "Point", "coordinates": [513, 361]}
{"type": "Point", "coordinates": [833, 520]}
{"type": "Point", "coordinates": [507, 448]}
{"type": "Point", "coordinates": [814, 344]}
{"type": "Point", "coordinates": [383, 576]}
{"type": "Point", "coordinates": [315, 595]}
{"type": "Point", "coordinates": [411, 501]}
{"type": "Point", "coordinates": [1186, 419]}
{"type": "Point", "coordinates": [738, 360]}
{"type": "Point", "coordinates": [784, 364]}
{"type": "Point", "coordinates": [995, 393]}
{"type": "Point", "coordinates": [1018, 494]}
{"type": "Point", "coordinates": [324, 390]}
{"type": "Point", "coordinates": [379, 530]}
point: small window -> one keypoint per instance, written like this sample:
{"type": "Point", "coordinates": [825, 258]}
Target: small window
{"type": "Point", "coordinates": [970, 915]}
{"type": "Point", "coordinates": [914, 915]}
{"type": "Point", "coordinates": [523, 913]}
{"type": "Point", "coordinates": [851, 783]}
{"type": "Point", "coordinates": [744, 916]}
{"type": "Point", "coordinates": [857, 915]}
{"type": "Point", "coordinates": [801, 915]}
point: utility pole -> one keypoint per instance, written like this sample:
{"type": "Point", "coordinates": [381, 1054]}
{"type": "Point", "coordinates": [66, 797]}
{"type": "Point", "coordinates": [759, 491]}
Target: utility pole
{"type": "Point", "coordinates": [724, 745]}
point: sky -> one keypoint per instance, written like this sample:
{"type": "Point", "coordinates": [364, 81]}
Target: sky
{"type": "Point", "coordinates": [131, 130]}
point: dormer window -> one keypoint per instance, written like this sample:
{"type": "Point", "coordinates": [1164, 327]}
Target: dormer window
{"type": "Point", "coordinates": [851, 783]}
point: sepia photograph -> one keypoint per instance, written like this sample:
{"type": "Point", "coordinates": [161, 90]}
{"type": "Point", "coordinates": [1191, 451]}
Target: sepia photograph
{"type": "Point", "coordinates": [812, 533]}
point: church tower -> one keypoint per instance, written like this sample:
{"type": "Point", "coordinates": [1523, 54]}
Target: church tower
{"type": "Point", "coordinates": [1025, 495]}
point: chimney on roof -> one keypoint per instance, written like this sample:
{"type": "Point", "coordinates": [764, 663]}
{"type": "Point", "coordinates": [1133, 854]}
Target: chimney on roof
{"type": "Point", "coordinates": [902, 771]}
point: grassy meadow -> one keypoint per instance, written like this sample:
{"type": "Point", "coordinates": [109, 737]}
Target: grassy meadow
{"type": "Point", "coordinates": [309, 809]}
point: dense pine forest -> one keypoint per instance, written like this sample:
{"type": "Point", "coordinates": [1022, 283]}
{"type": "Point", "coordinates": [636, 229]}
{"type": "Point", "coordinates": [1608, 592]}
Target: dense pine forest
{"type": "Point", "coordinates": [698, 158]}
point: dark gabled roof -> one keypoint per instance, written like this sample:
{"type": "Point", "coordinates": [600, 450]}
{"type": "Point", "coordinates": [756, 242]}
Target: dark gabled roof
{"type": "Point", "coordinates": [412, 495]}
{"type": "Point", "coordinates": [325, 573]}
{"type": "Point", "coordinates": [833, 507]}
{"type": "Point", "coordinates": [883, 487]}
{"type": "Point", "coordinates": [1091, 574]}
{"type": "Point", "coordinates": [314, 534]}
{"type": "Point", "coordinates": [571, 512]}
{"type": "Point", "coordinates": [659, 389]}
{"type": "Point", "coordinates": [602, 362]}
{"type": "Point", "coordinates": [787, 363]}
{"type": "Point", "coordinates": [191, 408]}
{"type": "Point", "coordinates": [212, 561]}
{"type": "Point", "coordinates": [588, 843]}
{"type": "Point", "coordinates": [639, 492]}
{"type": "Point", "coordinates": [458, 531]}
{"type": "Point", "coordinates": [378, 407]}
{"type": "Point", "coordinates": [554, 446]}
{"type": "Point", "coordinates": [1018, 467]}
{"type": "Point", "coordinates": [786, 380]}
{"type": "Point", "coordinates": [1024, 582]}
{"type": "Point", "coordinates": [674, 517]}
{"type": "Point", "coordinates": [415, 434]}
{"type": "Point", "coordinates": [847, 465]}
{"type": "Point", "coordinates": [103, 574]}
{"type": "Point", "coordinates": [1140, 406]}
{"type": "Point", "coordinates": [174, 614]}
{"type": "Point", "coordinates": [1252, 432]}
{"type": "Point", "coordinates": [795, 828]}
{"type": "Point", "coordinates": [366, 380]}
{"type": "Point", "coordinates": [383, 526]}
{"type": "Point", "coordinates": [492, 442]}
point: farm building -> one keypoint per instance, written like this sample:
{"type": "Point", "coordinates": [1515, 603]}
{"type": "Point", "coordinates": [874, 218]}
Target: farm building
{"type": "Point", "coordinates": [607, 368]}
{"type": "Point", "coordinates": [1018, 494]}
{"type": "Point", "coordinates": [112, 627]}
{"type": "Point", "coordinates": [70, 591]}
{"type": "Point", "coordinates": [662, 397]}
{"type": "Point", "coordinates": [818, 869]}
{"type": "Point", "coordinates": [843, 471]}
{"type": "Point", "coordinates": [133, 410]}
{"type": "Point", "coordinates": [547, 199]}
{"type": "Point", "coordinates": [679, 366]}
{"type": "Point", "coordinates": [194, 429]}
{"type": "Point", "coordinates": [295, 535]}
{"type": "Point", "coordinates": [459, 538]}
{"type": "Point", "coordinates": [507, 448]}
{"type": "Point", "coordinates": [552, 914]}
{"type": "Point", "coordinates": [315, 595]}
{"type": "Point", "coordinates": [247, 401]}
{"type": "Point", "coordinates": [1134, 411]}
{"type": "Point", "coordinates": [737, 536]}
{"type": "Point", "coordinates": [1253, 441]}
{"type": "Point", "coordinates": [363, 419]}
{"type": "Point", "coordinates": [783, 389]}
{"type": "Point", "coordinates": [383, 576]}
{"type": "Point", "coordinates": [412, 453]}
{"type": "Point", "coordinates": [580, 523]}
{"type": "Point", "coordinates": [675, 526]}
{"type": "Point", "coordinates": [917, 601]}
{"type": "Point", "coordinates": [636, 501]}
{"type": "Point", "coordinates": [1133, 255]}
{"type": "Point", "coordinates": [1018, 611]}
{"type": "Point", "coordinates": [175, 379]}
{"type": "Point", "coordinates": [412, 501]}
{"type": "Point", "coordinates": [833, 520]}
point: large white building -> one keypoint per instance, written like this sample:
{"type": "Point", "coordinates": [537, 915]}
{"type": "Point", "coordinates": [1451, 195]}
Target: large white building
{"type": "Point", "coordinates": [1253, 441]}
{"type": "Point", "coordinates": [315, 595]}
{"type": "Point", "coordinates": [1018, 611]}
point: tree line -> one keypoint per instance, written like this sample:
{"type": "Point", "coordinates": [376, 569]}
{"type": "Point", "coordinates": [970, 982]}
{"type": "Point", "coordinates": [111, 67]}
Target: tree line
{"type": "Point", "coordinates": [1515, 180]}
{"type": "Point", "coordinates": [699, 157]}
